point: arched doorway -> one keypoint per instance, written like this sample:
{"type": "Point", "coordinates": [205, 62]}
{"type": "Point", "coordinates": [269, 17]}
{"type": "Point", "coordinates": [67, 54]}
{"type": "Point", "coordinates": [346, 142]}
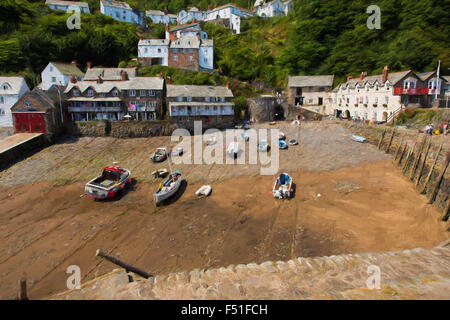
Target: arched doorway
{"type": "Point", "coordinates": [347, 115]}
{"type": "Point", "coordinates": [279, 113]}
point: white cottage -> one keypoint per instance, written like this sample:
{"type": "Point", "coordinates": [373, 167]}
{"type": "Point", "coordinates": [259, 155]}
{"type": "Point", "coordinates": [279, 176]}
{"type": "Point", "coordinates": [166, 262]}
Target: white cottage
{"type": "Point", "coordinates": [64, 5]}
{"type": "Point", "coordinates": [121, 11]}
{"type": "Point", "coordinates": [231, 13]}
{"type": "Point", "coordinates": [11, 90]}
{"type": "Point", "coordinates": [273, 8]}
{"type": "Point", "coordinates": [158, 16]}
{"type": "Point", "coordinates": [153, 51]}
{"type": "Point", "coordinates": [190, 15]}
{"type": "Point", "coordinates": [59, 74]}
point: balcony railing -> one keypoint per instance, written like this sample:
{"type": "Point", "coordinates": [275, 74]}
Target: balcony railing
{"type": "Point", "coordinates": [94, 109]}
{"type": "Point", "coordinates": [142, 109]}
{"type": "Point", "coordinates": [411, 91]}
{"type": "Point", "coordinates": [202, 113]}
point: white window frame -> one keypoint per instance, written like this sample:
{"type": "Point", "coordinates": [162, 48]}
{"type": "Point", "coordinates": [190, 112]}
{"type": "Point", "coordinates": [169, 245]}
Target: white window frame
{"type": "Point", "coordinates": [142, 93]}
{"type": "Point", "coordinates": [132, 93]}
{"type": "Point", "coordinates": [151, 93]}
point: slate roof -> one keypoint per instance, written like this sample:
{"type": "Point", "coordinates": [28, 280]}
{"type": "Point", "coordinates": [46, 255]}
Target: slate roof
{"type": "Point", "coordinates": [68, 69]}
{"type": "Point", "coordinates": [198, 91]}
{"type": "Point", "coordinates": [393, 78]}
{"type": "Point", "coordinates": [185, 26]}
{"type": "Point", "coordinates": [67, 3]}
{"type": "Point", "coordinates": [154, 13]}
{"type": "Point", "coordinates": [311, 81]}
{"type": "Point", "coordinates": [137, 83]}
{"type": "Point", "coordinates": [15, 83]}
{"type": "Point", "coordinates": [187, 42]}
{"type": "Point", "coordinates": [46, 99]}
{"type": "Point", "coordinates": [116, 4]}
{"type": "Point", "coordinates": [108, 74]}
{"type": "Point", "coordinates": [153, 42]}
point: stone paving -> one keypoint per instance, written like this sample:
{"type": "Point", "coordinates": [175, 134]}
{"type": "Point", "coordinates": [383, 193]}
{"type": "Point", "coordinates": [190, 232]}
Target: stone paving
{"type": "Point", "coordinates": [410, 274]}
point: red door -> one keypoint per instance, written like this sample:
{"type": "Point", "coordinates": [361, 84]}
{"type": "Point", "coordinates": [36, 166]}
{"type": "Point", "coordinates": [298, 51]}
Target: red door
{"type": "Point", "coordinates": [30, 122]}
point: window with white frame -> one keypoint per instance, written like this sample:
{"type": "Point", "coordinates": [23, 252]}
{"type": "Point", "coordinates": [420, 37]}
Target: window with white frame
{"type": "Point", "coordinates": [142, 93]}
{"type": "Point", "coordinates": [53, 79]}
{"type": "Point", "coordinates": [132, 93]}
{"type": "Point", "coordinates": [115, 93]}
{"type": "Point", "coordinates": [90, 92]}
{"type": "Point", "coordinates": [189, 99]}
{"type": "Point", "coordinates": [191, 58]}
{"type": "Point", "coordinates": [386, 99]}
{"type": "Point", "coordinates": [207, 99]}
{"type": "Point", "coordinates": [2, 100]}
{"type": "Point", "coordinates": [151, 93]}
{"type": "Point", "coordinates": [175, 58]}
{"type": "Point", "coordinates": [76, 92]}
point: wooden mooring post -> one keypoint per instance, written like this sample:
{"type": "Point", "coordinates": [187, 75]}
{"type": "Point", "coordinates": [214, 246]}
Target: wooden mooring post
{"type": "Point", "coordinates": [390, 140]}
{"type": "Point", "coordinates": [427, 179]}
{"type": "Point", "coordinates": [399, 147]}
{"type": "Point", "coordinates": [22, 289]}
{"type": "Point", "coordinates": [405, 165]}
{"type": "Point", "coordinates": [446, 210]}
{"type": "Point", "coordinates": [422, 164]}
{"type": "Point", "coordinates": [381, 139]}
{"type": "Point", "coordinates": [416, 159]}
{"type": "Point", "coordinates": [439, 179]}
{"type": "Point", "coordinates": [399, 160]}
{"type": "Point", "coordinates": [128, 267]}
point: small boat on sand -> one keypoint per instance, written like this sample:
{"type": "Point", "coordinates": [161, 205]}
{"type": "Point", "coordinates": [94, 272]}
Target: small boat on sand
{"type": "Point", "coordinates": [176, 152]}
{"type": "Point", "coordinates": [282, 144]}
{"type": "Point", "coordinates": [233, 150]}
{"type": "Point", "coordinates": [204, 190]}
{"type": "Point", "coordinates": [358, 138]}
{"type": "Point", "coordinates": [112, 180]}
{"type": "Point", "coordinates": [282, 187]}
{"type": "Point", "coordinates": [159, 155]}
{"type": "Point", "coordinates": [281, 136]}
{"type": "Point", "coordinates": [168, 188]}
{"type": "Point", "coordinates": [263, 146]}
{"type": "Point", "coordinates": [293, 142]}
{"type": "Point", "coordinates": [244, 136]}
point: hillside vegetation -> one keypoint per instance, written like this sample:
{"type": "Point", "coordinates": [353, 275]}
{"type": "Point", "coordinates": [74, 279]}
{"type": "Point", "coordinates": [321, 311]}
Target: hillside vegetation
{"type": "Point", "coordinates": [318, 37]}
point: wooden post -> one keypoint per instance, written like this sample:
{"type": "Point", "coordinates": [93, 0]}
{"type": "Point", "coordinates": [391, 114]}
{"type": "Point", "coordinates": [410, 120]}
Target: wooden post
{"type": "Point", "coordinates": [123, 264]}
{"type": "Point", "coordinates": [446, 211]}
{"type": "Point", "coordinates": [381, 139]}
{"type": "Point", "coordinates": [23, 289]}
{"type": "Point", "coordinates": [422, 164]}
{"type": "Point", "coordinates": [401, 155]}
{"type": "Point", "coordinates": [390, 140]}
{"type": "Point", "coordinates": [398, 148]}
{"type": "Point", "coordinates": [405, 166]}
{"type": "Point", "coordinates": [416, 159]}
{"type": "Point", "coordinates": [431, 170]}
{"type": "Point", "coordinates": [439, 179]}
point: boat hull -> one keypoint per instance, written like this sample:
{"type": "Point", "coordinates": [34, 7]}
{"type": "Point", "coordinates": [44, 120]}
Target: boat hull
{"type": "Point", "coordinates": [161, 196]}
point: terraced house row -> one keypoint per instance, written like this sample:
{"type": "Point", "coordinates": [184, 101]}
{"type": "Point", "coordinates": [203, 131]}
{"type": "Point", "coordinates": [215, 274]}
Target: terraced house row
{"type": "Point", "coordinates": [66, 94]}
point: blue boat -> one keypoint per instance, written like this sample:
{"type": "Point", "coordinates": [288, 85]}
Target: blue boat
{"type": "Point", "coordinates": [358, 138]}
{"type": "Point", "coordinates": [282, 144]}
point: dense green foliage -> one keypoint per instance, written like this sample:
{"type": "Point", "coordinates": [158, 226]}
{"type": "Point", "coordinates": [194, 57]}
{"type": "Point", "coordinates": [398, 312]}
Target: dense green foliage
{"type": "Point", "coordinates": [319, 37]}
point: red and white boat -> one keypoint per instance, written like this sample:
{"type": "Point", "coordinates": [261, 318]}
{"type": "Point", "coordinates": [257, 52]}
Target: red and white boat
{"type": "Point", "coordinates": [112, 180]}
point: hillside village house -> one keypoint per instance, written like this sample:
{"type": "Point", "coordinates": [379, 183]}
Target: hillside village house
{"type": "Point", "coordinates": [380, 97]}
{"type": "Point", "coordinates": [273, 8]}
{"type": "Point", "coordinates": [191, 14]}
{"type": "Point", "coordinates": [230, 14]}
{"type": "Point", "coordinates": [11, 90]}
{"type": "Point", "coordinates": [310, 91]}
{"type": "Point", "coordinates": [209, 104]}
{"type": "Point", "coordinates": [121, 11]}
{"type": "Point", "coordinates": [64, 5]}
{"type": "Point", "coordinates": [158, 16]}
{"type": "Point", "coordinates": [434, 86]}
{"type": "Point", "coordinates": [108, 74]}
{"type": "Point", "coordinates": [59, 74]}
{"type": "Point", "coordinates": [38, 111]}
{"type": "Point", "coordinates": [185, 47]}
{"type": "Point", "coordinates": [140, 97]}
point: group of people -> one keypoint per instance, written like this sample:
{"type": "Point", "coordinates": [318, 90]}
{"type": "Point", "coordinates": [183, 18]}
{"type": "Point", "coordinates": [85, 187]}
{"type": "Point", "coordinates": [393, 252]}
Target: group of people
{"type": "Point", "coordinates": [443, 128]}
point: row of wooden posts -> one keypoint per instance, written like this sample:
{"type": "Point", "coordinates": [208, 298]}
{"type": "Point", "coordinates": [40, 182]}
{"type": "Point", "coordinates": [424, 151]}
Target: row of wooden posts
{"type": "Point", "coordinates": [418, 155]}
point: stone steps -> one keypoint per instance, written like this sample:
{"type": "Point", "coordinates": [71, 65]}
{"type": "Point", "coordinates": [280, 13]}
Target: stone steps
{"type": "Point", "coordinates": [410, 274]}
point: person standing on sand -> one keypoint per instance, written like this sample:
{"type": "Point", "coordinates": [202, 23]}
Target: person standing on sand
{"type": "Point", "coordinates": [445, 128]}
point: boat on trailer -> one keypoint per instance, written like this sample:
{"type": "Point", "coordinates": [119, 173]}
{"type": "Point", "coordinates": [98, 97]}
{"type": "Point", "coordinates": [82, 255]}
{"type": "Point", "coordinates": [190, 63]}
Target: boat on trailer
{"type": "Point", "coordinates": [282, 187]}
{"type": "Point", "coordinates": [106, 186]}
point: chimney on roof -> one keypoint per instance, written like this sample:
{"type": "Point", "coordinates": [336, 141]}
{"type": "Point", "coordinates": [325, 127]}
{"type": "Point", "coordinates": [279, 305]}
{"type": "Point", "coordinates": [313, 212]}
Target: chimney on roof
{"type": "Point", "coordinates": [99, 79]}
{"type": "Point", "coordinates": [74, 63]}
{"type": "Point", "coordinates": [169, 80]}
{"type": "Point", "coordinates": [385, 73]}
{"type": "Point", "coordinates": [88, 65]}
{"type": "Point", "coordinates": [73, 79]}
{"type": "Point", "coordinates": [124, 75]}
{"type": "Point", "coordinates": [349, 77]}
{"type": "Point", "coordinates": [361, 77]}
{"type": "Point", "coordinates": [227, 85]}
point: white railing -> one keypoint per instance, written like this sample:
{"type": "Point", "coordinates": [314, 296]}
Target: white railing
{"type": "Point", "coordinates": [94, 109]}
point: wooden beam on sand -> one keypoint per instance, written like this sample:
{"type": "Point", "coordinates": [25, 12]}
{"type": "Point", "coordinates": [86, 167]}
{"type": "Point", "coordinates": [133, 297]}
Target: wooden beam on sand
{"type": "Point", "coordinates": [405, 165]}
{"type": "Point", "coordinates": [390, 140]}
{"type": "Point", "coordinates": [23, 289]}
{"type": "Point", "coordinates": [128, 267]}
{"type": "Point", "coordinates": [439, 179]}
{"type": "Point", "coordinates": [381, 139]}
{"type": "Point", "coordinates": [399, 147]}
{"type": "Point", "coordinates": [422, 164]}
{"type": "Point", "coordinates": [417, 158]}
{"type": "Point", "coordinates": [446, 210]}
{"type": "Point", "coordinates": [427, 179]}
{"type": "Point", "coordinates": [401, 155]}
